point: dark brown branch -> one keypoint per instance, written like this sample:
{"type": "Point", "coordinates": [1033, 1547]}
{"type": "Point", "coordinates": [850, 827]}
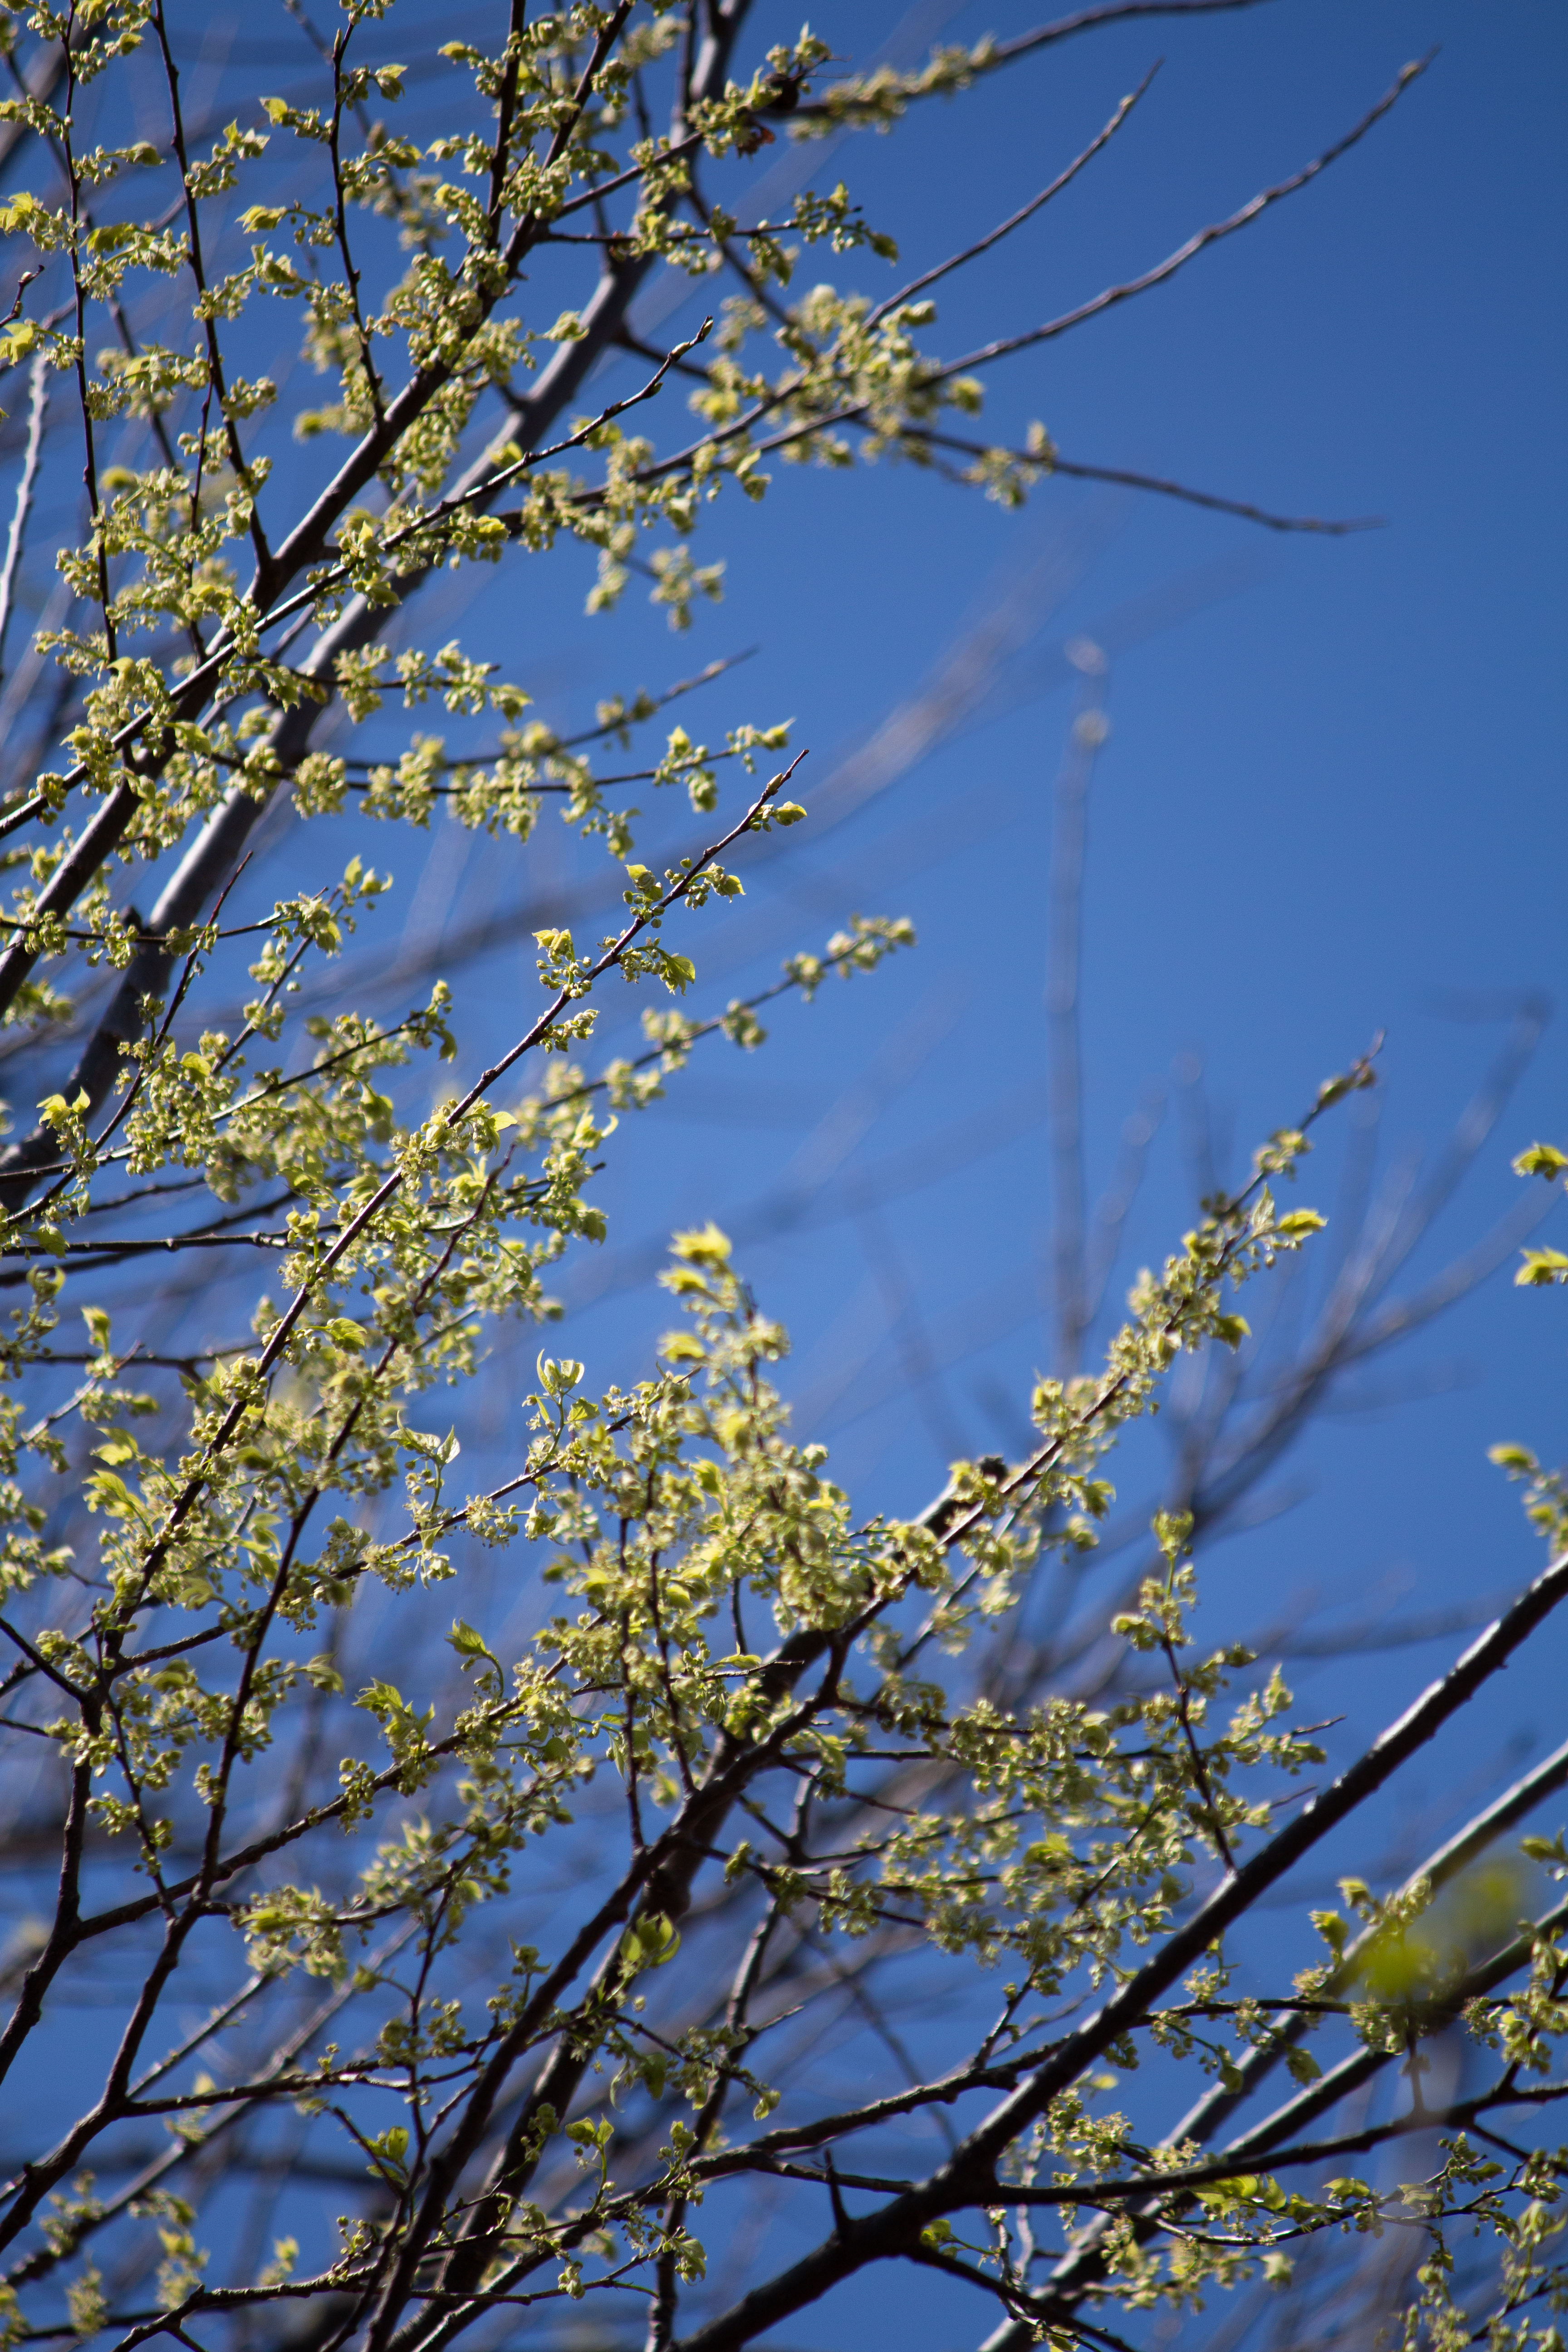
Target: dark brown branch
{"type": "Point", "coordinates": [1063, 180]}
{"type": "Point", "coordinates": [992, 56]}
{"type": "Point", "coordinates": [1163, 271]}
{"type": "Point", "coordinates": [1049, 461]}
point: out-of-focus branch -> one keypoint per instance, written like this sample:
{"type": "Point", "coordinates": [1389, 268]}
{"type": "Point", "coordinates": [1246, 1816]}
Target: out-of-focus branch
{"type": "Point", "coordinates": [37, 411]}
{"type": "Point", "coordinates": [1063, 961]}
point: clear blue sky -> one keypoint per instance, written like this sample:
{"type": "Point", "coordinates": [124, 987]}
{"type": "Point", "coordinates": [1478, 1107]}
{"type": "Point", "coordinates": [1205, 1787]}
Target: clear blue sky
{"type": "Point", "coordinates": [1331, 802]}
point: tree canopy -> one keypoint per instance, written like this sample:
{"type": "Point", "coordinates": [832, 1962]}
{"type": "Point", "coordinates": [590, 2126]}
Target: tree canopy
{"type": "Point", "coordinates": [464, 1876]}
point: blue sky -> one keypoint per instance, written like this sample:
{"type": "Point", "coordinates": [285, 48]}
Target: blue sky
{"type": "Point", "coordinates": [1332, 799]}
